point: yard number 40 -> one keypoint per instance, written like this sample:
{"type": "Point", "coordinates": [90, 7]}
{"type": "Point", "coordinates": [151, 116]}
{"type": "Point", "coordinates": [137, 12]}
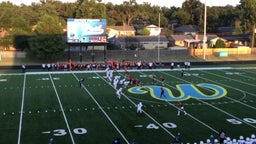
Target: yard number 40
{"type": "Point", "coordinates": [166, 125]}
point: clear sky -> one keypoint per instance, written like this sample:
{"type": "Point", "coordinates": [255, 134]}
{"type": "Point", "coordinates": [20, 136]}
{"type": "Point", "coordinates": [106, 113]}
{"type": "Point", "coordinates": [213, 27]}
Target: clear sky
{"type": "Point", "coordinates": [167, 3]}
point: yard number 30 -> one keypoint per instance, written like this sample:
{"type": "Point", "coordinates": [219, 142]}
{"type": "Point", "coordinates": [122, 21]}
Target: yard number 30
{"type": "Point", "coordinates": [62, 132]}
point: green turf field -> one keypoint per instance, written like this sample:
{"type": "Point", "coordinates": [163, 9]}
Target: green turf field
{"type": "Point", "coordinates": [54, 106]}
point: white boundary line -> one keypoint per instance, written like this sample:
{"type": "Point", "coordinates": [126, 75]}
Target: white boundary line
{"type": "Point", "coordinates": [142, 110]}
{"type": "Point", "coordinates": [63, 113]}
{"type": "Point", "coordinates": [21, 109]}
{"type": "Point", "coordinates": [129, 70]}
{"type": "Point", "coordinates": [110, 120]}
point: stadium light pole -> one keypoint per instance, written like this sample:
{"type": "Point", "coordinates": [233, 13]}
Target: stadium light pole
{"type": "Point", "coordinates": [158, 48]}
{"type": "Point", "coordinates": [204, 38]}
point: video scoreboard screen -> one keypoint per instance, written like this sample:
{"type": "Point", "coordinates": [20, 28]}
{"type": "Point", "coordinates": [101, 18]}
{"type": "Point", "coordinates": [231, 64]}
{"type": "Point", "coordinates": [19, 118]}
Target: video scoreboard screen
{"type": "Point", "coordinates": [86, 30]}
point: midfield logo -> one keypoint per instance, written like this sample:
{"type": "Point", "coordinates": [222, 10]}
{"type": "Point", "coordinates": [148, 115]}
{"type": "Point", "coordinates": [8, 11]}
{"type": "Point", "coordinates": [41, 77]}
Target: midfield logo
{"type": "Point", "coordinates": [203, 91]}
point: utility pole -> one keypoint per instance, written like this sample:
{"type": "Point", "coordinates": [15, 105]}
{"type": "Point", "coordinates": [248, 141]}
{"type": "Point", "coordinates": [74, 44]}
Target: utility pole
{"type": "Point", "coordinates": [158, 49]}
{"type": "Point", "coordinates": [204, 38]}
{"type": "Point", "coordinates": [253, 35]}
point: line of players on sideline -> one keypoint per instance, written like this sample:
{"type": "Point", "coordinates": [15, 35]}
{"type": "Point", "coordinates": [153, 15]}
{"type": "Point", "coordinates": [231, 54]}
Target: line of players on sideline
{"type": "Point", "coordinates": [101, 66]}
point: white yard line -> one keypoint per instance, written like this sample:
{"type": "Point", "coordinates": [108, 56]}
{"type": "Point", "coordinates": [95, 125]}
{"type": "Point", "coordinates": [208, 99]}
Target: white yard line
{"type": "Point", "coordinates": [214, 106]}
{"type": "Point", "coordinates": [100, 107]}
{"type": "Point", "coordinates": [142, 110]}
{"type": "Point", "coordinates": [243, 74]}
{"type": "Point", "coordinates": [230, 79]}
{"type": "Point", "coordinates": [214, 130]}
{"type": "Point", "coordinates": [244, 92]}
{"type": "Point", "coordinates": [62, 110]}
{"type": "Point", "coordinates": [227, 113]}
{"type": "Point", "coordinates": [245, 70]}
{"type": "Point", "coordinates": [21, 109]}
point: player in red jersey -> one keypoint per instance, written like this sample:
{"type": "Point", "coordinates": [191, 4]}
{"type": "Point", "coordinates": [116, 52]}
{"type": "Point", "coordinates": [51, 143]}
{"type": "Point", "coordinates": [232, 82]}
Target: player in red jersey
{"type": "Point", "coordinates": [138, 82]}
{"type": "Point", "coordinates": [162, 79]}
{"type": "Point", "coordinates": [162, 92]}
{"type": "Point", "coordinates": [153, 78]}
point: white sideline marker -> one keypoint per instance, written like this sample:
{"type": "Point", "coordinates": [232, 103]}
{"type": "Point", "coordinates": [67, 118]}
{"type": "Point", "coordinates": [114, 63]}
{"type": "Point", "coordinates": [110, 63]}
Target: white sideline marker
{"type": "Point", "coordinates": [138, 126]}
{"type": "Point", "coordinates": [46, 132]}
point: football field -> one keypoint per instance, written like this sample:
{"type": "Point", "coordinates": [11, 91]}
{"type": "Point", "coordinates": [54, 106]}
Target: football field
{"type": "Point", "coordinates": [38, 106]}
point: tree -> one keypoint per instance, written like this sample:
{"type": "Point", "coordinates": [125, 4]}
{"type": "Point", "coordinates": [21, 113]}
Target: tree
{"type": "Point", "coordinates": [249, 13]}
{"type": "Point", "coordinates": [131, 43]}
{"type": "Point", "coordinates": [145, 31]}
{"type": "Point", "coordinates": [194, 8]}
{"type": "Point", "coordinates": [20, 26]}
{"type": "Point", "coordinates": [46, 47]}
{"type": "Point", "coordinates": [21, 41]}
{"type": "Point", "coordinates": [220, 44]}
{"type": "Point", "coordinates": [49, 25]}
{"type": "Point", "coordinates": [125, 13]}
{"type": "Point", "coordinates": [67, 10]}
{"type": "Point", "coordinates": [228, 15]}
{"type": "Point", "coordinates": [48, 8]}
{"type": "Point", "coordinates": [5, 42]}
{"type": "Point", "coordinates": [182, 16]}
{"type": "Point", "coordinates": [90, 9]}
{"type": "Point", "coordinates": [8, 12]}
{"type": "Point", "coordinates": [154, 17]}
{"type": "Point", "coordinates": [213, 20]}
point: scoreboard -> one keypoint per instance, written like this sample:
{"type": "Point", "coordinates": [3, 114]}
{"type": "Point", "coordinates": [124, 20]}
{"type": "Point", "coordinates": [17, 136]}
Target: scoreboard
{"type": "Point", "coordinates": [86, 30]}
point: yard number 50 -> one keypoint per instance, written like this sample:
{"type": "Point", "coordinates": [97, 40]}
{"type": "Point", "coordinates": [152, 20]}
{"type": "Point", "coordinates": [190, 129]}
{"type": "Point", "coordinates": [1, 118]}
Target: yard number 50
{"type": "Point", "coordinates": [237, 122]}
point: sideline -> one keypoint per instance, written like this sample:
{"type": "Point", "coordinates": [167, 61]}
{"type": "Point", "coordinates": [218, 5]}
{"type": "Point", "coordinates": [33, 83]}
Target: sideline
{"type": "Point", "coordinates": [130, 70]}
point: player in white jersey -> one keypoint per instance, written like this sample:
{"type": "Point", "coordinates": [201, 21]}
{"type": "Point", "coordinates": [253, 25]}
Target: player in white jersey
{"type": "Point", "coordinates": [181, 109]}
{"type": "Point", "coordinates": [117, 77]}
{"type": "Point", "coordinates": [110, 75]}
{"type": "Point", "coordinates": [116, 80]}
{"type": "Point", "coordinates": [119, 92]}
{"type": "Point", "coordinates": [122, 81]}
{"type": "Point", "coordinates": [107, 71]}
{"type": "Point", "coordinates": [139, 107]}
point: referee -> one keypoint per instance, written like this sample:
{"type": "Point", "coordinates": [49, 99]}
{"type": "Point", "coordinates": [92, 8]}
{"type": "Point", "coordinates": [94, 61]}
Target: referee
{"type": "Point", "coordinates": [81, 81]}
